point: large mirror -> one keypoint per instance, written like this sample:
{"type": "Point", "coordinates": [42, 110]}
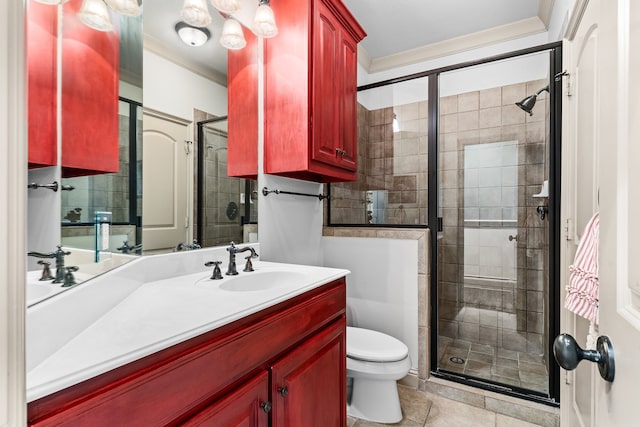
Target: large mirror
{"type": "Point", "coordinates": [171, 186]}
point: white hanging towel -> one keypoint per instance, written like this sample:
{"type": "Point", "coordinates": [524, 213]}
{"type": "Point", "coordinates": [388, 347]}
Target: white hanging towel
{"type": "Point", "coordinates": [583, 288]}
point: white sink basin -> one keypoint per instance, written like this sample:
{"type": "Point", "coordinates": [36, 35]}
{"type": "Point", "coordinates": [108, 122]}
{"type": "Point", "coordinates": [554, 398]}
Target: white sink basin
{"type": "Point", "coordinates": [262, 281]}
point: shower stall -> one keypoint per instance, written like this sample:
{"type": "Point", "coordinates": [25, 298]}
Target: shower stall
{"type": "Point", "coordinates": [226, 207]}
{"type": "Point", "coordinates": [472, 151]}
{"type": "Point", "coordinates": [496, 288]}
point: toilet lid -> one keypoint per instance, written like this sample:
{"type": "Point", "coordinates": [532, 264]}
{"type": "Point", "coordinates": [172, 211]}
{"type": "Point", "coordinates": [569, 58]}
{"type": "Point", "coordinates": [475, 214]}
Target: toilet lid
{"type": "Point", "coordinates": [373, 346]}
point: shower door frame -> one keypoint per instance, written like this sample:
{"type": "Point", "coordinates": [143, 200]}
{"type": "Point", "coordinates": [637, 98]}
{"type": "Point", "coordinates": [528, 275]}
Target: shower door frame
{"type": "Point", "coordinates": [555, 144]}
{"type": "Point", "coordinates": [200, 178]}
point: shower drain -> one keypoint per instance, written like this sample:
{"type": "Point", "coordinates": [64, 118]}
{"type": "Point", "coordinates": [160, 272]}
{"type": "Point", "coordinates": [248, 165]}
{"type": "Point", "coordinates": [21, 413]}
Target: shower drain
{"type": "Point", "coordinates": [458, 360]}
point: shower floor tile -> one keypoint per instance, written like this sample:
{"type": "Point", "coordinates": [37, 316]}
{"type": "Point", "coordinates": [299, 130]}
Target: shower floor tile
{"type": "Point", "coordinates": [509, 367]}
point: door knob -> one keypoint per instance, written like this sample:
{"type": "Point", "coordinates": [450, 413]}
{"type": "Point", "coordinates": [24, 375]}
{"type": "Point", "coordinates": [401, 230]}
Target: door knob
{"type": "Point", "coordinates": [568, 354]}
{"type": "Point", "coordinates": [283, 391]}
{"type": "Point", "coordinates": [512, 238]}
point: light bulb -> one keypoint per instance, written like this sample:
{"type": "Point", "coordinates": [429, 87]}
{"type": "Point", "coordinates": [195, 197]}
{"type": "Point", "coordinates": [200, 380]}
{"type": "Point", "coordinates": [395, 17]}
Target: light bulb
{"type": "Point", "coordinates": [264, 23]}
{"type": "Point", "coordinates": [94, 14]}
{"type": "Point", "coordinates": [196, 13]}
{"type": "Point", "coordinates": [125, 7]}
{"type": "Point", "coordinates": [226, 6]}
{"type": "Point", "coordinates": [232, 36]}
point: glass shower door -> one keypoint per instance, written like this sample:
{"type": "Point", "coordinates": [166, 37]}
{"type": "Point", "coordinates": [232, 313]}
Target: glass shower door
{"type": "Point", "coordinates": [493, 247]}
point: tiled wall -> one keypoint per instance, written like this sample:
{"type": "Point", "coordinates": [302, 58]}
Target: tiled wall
{"type": "Point", "coordinates": [395, 162]}
{"type": "Point", "coordinates": [489, 116]}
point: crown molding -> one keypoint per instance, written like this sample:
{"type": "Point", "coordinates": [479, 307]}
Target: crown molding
{"type": "Point", "coordinates": [154, 45]}
{"type": "Point", "coordinates": [545, 9]}
{"type": "Point", "coordinates": [511, 31]}
{"type": "Point", "coordinates": [579, 7]}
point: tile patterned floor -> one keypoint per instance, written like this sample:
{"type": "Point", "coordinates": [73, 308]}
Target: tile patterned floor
{"type": "Point", "coordinates": [428, 410]}
{"type": "Point", "coordinates": [495, 363]}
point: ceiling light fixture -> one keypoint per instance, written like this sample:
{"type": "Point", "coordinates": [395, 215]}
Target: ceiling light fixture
{"type": "Point", "coordinates": [226, 6]}
{"type": "Point", "coordinates": [125, 7]}
{"type": "Point", "coordinates": [264, 23]}
{"type": "Point", "coordinates": [232, 36]}
{"type": "Point", "coordinates": [94, 14]}
{"type": "Point", "coordinates": [193, 36]}
{"type": "Point", "coordinates": [196, 13]}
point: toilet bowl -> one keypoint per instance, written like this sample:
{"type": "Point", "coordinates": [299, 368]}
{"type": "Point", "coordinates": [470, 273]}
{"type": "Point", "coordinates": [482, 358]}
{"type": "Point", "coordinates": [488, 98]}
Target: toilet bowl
{"type": "Point", "coordinates": [375, 361]}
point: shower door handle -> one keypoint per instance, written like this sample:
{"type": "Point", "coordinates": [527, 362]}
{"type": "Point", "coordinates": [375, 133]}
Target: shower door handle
{"type": "Point", "coordinates": [568, 354]}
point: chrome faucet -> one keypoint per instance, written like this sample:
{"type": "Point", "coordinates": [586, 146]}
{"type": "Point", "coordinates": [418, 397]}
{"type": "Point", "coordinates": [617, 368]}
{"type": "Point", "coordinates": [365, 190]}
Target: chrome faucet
{"type": "Point", "coordinates": [59, 257]}
{"type": "Point", "coordinates": [187, 246]}
{"type": "Point", "coordinates": [233, 250]}
{"type": "Point", "coordinates": [127, 248]}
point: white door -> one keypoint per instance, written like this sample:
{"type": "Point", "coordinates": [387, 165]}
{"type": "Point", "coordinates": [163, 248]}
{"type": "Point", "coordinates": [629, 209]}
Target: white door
{"type": "Point", "coordinates": [602, 150]}
{"type": "Point", "coordinates": [166, 209]}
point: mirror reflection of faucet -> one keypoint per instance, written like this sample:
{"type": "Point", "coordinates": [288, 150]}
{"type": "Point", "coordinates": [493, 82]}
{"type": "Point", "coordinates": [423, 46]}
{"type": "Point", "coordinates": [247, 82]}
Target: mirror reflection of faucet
{"type": "Point", "coordinates": [58, 255]}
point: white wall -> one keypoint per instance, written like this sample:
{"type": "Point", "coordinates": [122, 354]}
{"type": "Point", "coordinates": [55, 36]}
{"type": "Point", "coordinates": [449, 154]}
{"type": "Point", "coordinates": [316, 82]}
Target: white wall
{"type": "Point", "coordinates": [382, 289]}
{"type": "Point", "coordinates": [174, 90]}
{"type": "Point", "coordinates": [13, 203]}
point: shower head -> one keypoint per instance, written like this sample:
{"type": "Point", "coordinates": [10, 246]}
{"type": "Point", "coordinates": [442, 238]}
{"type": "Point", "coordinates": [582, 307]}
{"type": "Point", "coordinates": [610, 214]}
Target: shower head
{"type": "Point", "coordinates": [527, 104]}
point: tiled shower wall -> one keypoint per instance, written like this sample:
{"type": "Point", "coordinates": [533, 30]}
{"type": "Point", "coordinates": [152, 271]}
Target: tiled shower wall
{"type": "Point", "coordinates": [221, 225]}
{"type": "Point", "coordinates": [489, 116]}
{"type": "Point", "coordinates": [391, 162]}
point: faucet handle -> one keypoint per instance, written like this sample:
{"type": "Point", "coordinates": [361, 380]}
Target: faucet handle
{"type": "Point", "coordinates": [46, 272]}
{"type": "Point", "coordinates": [217, 274]}
{"type": "Point", "coordinates": [249, 265]}
{"type": "Point", "coordinates": [69, 279]}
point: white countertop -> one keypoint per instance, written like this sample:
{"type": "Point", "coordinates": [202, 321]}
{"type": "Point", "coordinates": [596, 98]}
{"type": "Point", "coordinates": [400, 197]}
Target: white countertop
{"type": "Point", "coordinates": [157, 315]}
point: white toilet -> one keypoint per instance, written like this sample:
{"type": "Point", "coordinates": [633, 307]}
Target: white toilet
{"type": "Point", "coordinates": [375, 361]}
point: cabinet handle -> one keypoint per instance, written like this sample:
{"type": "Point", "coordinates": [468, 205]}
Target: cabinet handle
{"type": "Point", "coordinates": [283, 391]}
{"type": "Point", "coordinates": [266, 407]}
{"type": "Point", "coordinates": [340, 151]}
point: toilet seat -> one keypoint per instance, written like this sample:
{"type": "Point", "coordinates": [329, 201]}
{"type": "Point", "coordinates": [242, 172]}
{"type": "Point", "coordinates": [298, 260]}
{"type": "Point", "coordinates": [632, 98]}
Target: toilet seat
{"type": "Point", "coordinates": [373, 346]}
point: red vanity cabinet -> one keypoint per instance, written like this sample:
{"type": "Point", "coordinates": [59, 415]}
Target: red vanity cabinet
{"type": "Point", "coordinates": [310, 92]}
{"type": "Point", "coordinates": [222, 377]}
{"type": "Point", "coordinates": [247, 406]}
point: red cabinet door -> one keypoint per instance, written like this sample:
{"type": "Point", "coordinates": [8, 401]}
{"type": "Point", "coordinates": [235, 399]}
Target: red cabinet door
{"type": "Point", "coordinates": [325, 118]}
{"type": "Point", "coordinates": [42, 33]}
{"type": "Point", "coordinates": [90, 78]}
{"type": "Point", "coordinates": [348, 158]}
{"type": "Point", "coordinates": [242, 147]}
{"type": "Point", "coordinates": [247, 406]}
{"type": "Point", "coordinates": [308, 386]}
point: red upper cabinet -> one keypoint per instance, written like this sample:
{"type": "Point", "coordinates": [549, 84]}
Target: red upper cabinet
{"type": "Point", "coordinates": [42, 29]}
{"type": "Point", "coordinates": [310, 92]}
{"type": "Point", "coordinates": [242, 104]}
{"type": "Point", "coordinates": [90, 77]}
